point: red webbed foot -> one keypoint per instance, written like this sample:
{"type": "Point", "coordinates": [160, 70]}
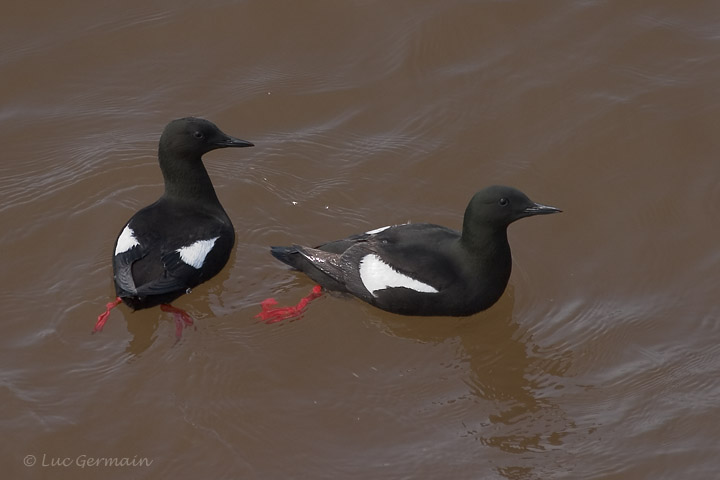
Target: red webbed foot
{"type": "Point", "coordinates": [102, 318]}
{"type": "Point", "coordinates": [182, 319]}
{"type": "Point", "coordinates": [272, 314]}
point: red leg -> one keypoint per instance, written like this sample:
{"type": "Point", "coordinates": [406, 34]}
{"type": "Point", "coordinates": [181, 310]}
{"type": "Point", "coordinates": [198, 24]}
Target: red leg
{"type": "Point", "coordinates": [102, 318]}
{"type": "Point", "coordinates": [182, 319]}
{"type": "Point", "coordinates": [272, 314]}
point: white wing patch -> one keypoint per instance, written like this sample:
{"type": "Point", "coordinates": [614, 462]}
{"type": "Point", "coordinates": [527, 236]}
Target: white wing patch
{"type": "Point", "coordinates": [195, 254]}
{"type": "Point", "coordinates": [126, 240]}
{"type": "Point", "coordinates": [378, 275]}
{"type": "Point", "coordinates": [377, 230]}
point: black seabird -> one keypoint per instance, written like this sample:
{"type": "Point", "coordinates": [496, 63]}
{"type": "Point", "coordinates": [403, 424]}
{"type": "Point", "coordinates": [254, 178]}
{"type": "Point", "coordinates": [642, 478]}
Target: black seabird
{"type": "Point", "coordinates": [185, 237]}
{"type": "Point", "coordinates": [421, 269]}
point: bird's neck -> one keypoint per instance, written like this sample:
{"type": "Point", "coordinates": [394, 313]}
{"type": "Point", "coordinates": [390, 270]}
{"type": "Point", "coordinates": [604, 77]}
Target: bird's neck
{"type": "Point", "coordinates": [487, 246]}
{"type": "Point", "coordinates": [485, 242]}
{"type": "Point", "coordinates": [484, 239]}
{"type": "Point", "coordinates": [187, 180]}
{"type": "Point", "coordinates": [489, 258]}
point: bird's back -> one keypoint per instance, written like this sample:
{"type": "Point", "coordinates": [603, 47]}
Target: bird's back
{"type": "Point", "coordinates": [173, 248]}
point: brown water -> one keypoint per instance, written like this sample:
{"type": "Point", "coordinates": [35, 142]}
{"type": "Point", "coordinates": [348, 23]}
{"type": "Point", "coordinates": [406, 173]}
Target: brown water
{"type": "Point", "coordinates": [602, 360]}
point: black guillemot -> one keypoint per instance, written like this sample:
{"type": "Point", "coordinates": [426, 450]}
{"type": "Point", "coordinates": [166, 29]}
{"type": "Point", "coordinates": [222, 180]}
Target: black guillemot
{"type": "Point", "coordinates": [182, 239]}
{"type": "Point", "coordinates": [419, 269]}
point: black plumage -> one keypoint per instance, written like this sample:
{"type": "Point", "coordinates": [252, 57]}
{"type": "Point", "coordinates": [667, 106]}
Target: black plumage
{"type": "Point", "coordinates": [185, 237]}
{"type": "Point", "coordinates": [424, 269]}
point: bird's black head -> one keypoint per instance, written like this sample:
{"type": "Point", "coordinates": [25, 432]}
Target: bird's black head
{"type": "Point", "coordinates": [499, 206]}
{"type": "Point", "coordinates": [193, 137]}
{"type": "Point", "coordinates": [182, 145]}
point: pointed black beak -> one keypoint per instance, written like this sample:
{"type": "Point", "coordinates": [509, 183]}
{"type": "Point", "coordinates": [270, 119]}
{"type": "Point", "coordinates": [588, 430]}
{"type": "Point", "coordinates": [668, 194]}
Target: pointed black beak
{"type": "Point", "coordinates": [229, 141]}
{"type": "Point", "coordinates": [539, 209]}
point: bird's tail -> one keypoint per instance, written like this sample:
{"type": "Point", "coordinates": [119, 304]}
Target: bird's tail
{"type": "Point", "coordinates": [288, 255]}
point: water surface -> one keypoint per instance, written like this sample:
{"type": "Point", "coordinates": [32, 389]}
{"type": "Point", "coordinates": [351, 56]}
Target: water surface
{"type": "Point", "coordinates": [601, 360]}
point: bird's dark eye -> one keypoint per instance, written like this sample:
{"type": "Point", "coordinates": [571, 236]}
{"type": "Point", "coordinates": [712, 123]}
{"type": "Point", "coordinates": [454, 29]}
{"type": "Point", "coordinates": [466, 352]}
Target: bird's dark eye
{"type": "Point", "coordinates": [198, 135]}
{"type": "Point", "coordinates": [503, 202]}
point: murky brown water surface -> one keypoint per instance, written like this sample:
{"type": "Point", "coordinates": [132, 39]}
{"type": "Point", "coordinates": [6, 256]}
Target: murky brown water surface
{"type": "Point", "coordinates": [602, 360]}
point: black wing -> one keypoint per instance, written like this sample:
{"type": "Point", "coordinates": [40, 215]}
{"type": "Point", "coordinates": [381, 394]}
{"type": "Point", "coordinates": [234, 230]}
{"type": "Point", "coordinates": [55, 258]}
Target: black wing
{"type": "Point", "coordinates": [416, 251]}
{"type": "Point", "coordinates": [154, 266]}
